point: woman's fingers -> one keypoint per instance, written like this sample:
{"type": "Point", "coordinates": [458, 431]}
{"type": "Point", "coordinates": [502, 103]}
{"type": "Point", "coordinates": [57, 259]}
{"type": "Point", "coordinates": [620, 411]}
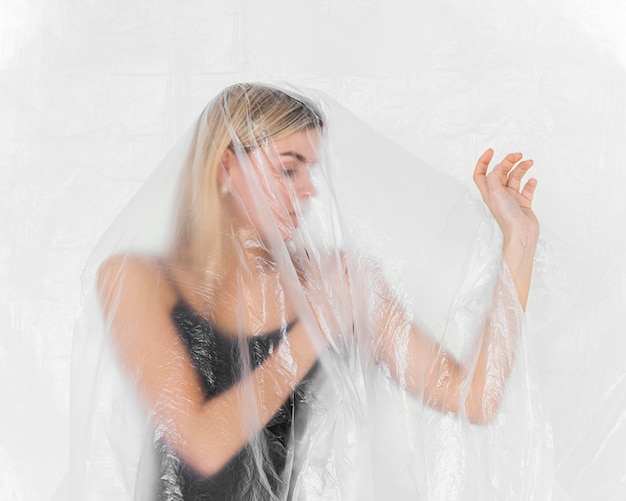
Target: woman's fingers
{"type": "Point", "coordinates": [529, 190]}
{"type": "Point", "coordinates": [502, 169]}
{"type": "Point", "coordinates": [508, 162]}
{"type": "Point", "coordinates": [514, 180]}
{"type": "Point", "coordinates": [509, 172]}
{"type": "Point", "coordinates": [480, 172]}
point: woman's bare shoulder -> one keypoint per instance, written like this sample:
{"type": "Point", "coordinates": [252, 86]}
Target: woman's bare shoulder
{"type": "Point", "coordinates": [129, 267]}
{"type": "Point", "coordinates": [135, 275]}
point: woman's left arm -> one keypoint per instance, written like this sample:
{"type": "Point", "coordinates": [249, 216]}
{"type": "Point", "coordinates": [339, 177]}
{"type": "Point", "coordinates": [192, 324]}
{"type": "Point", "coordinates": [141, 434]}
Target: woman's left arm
{"type": "Point", "coordinates": [424, 368]}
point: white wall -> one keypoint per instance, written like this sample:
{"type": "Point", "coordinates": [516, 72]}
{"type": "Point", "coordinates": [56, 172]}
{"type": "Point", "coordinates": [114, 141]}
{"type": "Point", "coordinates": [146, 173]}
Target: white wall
{"type": "Point", "coordinates": [94, 93]}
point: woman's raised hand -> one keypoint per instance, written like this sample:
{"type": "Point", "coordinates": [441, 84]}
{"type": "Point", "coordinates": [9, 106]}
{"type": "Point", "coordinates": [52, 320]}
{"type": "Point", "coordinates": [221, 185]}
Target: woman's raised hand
{"type": "Point", "coordinates": [500, 190]}
{"type": "Point", "coordinates": [511, 206]}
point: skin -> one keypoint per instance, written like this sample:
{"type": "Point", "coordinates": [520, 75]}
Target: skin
{"type": "Point", "coordinates": [512, 209]}
{"type": "Point", "coordinates": [137, 299]}
{"type": "Point", "coordinates": [474, 388]}
{"type": "Point", "coordinates": [283, 176]}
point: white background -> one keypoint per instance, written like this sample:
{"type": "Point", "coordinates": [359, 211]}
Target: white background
{"type": "Point", "coordinates": [94, 93]}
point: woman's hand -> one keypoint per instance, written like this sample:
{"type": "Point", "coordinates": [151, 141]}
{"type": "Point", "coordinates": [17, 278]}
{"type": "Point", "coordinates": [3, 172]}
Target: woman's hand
{"type": "Point", "coordinates": [512, 209]}
{"type": "Point", "coordinates": [500, 190]}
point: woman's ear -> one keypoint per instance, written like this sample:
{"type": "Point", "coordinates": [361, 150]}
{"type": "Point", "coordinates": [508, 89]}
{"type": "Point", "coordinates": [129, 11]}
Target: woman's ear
{"type": "Point", "coordinates": [227, 161]}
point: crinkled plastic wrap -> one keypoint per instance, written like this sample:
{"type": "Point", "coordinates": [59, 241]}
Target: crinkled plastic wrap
{"type": "Point", "coordinates": [262, 322]}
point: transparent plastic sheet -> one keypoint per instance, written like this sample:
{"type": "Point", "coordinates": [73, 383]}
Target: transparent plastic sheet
{"type": "Point", "coordinates": [92, 93]}
{"type": "Point", "coordinates": [257, 326]}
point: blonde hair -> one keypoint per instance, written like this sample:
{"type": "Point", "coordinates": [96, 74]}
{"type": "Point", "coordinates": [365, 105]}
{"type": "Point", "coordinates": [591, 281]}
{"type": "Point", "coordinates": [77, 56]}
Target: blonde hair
{"type": "Point", "coordinates": [241, 118]}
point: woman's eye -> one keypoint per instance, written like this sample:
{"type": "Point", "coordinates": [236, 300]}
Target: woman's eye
{"type": "Point", "coordinates": [289, 172]}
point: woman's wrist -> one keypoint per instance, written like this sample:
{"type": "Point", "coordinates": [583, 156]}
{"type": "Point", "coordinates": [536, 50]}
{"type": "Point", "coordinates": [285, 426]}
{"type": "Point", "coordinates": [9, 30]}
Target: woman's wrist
{"type": "Point", "coordinates": [519, 254]}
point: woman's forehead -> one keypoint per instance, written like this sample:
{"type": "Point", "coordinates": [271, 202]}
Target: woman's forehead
{"type": "Point", "coordinates": [301, 146]}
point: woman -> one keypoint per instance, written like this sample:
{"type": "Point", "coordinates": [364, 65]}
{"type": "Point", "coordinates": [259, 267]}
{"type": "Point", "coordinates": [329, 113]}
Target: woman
{"type": "Point", "coordinates": [229, 337]}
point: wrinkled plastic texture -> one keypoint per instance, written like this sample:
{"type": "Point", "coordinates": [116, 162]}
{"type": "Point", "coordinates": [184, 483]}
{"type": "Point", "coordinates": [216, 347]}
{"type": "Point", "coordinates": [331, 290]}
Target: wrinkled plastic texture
{"type": "Point", "coordinates": [93, 95]}
{"type": "Point", "coordinates": [253, 332]}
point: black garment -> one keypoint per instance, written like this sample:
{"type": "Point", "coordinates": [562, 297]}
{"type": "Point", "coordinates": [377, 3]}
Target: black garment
{"type": "Point", "coordinates": [217, 358]}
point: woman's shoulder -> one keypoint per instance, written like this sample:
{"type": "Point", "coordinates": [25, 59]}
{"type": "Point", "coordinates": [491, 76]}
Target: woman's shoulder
{"type": "Point", "coordinates": [133, 267]}
{"type": "Point", "coordinates": [133, 274]}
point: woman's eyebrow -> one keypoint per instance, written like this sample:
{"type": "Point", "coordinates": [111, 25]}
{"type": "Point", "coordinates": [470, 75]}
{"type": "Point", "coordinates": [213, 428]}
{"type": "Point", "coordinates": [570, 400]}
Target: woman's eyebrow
{"type": "Point", "coordinates": [294, 154]}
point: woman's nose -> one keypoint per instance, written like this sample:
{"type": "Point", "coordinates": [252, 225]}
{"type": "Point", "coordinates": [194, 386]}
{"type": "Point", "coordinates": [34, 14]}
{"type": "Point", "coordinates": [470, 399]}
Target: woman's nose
{"type": "Point", "coordinates": [306, 188]}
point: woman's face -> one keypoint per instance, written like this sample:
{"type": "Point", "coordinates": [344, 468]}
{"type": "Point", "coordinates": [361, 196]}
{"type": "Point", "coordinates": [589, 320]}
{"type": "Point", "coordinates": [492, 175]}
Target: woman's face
{"type": "Point", "coordinates": [281, 173]}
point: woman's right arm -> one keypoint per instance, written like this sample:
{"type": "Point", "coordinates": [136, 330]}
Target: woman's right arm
{"type": "Point", "coordinates": [205, 434]}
